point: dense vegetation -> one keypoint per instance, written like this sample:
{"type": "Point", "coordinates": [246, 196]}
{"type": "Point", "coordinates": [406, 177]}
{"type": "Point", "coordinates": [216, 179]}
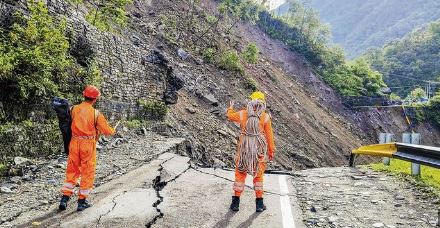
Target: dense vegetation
{"type": "Point", "coordinates": [301, 29]}
{"type": "Point", "coordinates": [35, 63]}
{"type": "Point", "coordinates": [105, 14]}
{"type": "Point", "coordinates": [358, 24]}
{"type": "Point", "coordinates": [411, 61]}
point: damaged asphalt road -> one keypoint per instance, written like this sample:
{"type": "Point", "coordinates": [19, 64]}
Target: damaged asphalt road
{"type": "Point", "coordinates": [165, 192]}
{"type": "Point", "coordinates": [130, 199]}
{"type": "Point", "coordinates": [170, 191]}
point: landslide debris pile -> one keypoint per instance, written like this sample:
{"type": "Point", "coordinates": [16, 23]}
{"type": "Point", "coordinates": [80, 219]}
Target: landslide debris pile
{"type": "Point", "coordinates": [172, 67]}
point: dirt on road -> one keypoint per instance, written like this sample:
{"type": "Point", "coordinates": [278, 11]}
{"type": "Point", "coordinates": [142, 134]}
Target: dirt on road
{"type": "Point", "coordinates": [346, 197]}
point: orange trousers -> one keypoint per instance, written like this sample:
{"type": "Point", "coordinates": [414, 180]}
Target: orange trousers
{"type": "Point", "coordinates": [81, 163]}
{"type": "Point", "coordinates": [240, 178]}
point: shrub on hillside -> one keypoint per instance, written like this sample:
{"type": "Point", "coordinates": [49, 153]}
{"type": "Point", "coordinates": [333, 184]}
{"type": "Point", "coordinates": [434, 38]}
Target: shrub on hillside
{"type": "Point", "coordinates": [34, 56]}
{"type": "Point", "coordinates": [105, 14]}
{"type": "Point", "coordinates": [135, 123]}
{"type": "Point", "coordinates": [152, 109]}
{"type": "Point", "coordinates": [251, 84]}
{"type": "Point", "coordinates": [250, 55]}
{"type": "Point", "coordinates": [209, 55]}
{"type": "Point", "coordinates": [230, 60]}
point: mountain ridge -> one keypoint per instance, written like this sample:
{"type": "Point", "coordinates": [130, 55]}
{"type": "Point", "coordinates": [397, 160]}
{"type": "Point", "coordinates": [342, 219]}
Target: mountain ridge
{"type": "Point", "coordinates": [359, 25]}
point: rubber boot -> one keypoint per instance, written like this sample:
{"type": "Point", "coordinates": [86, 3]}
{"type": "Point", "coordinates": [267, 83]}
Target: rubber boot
{"type": "Point", "coordinates": [63, 202]}
{"type": "Point", "coordinates": [235, 203]}
{"type": "Point", "coordinates": [260, 205]}
{"type": "Point", "coordinates": [83, 204]}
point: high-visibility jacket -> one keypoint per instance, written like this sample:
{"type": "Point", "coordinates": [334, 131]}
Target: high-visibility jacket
{"type": "Point", "coordinates": [265, 126]}
{"type": "Point", "coordinates": [87, 124]}
{"type": "Point", "coordinates": [86, 121]}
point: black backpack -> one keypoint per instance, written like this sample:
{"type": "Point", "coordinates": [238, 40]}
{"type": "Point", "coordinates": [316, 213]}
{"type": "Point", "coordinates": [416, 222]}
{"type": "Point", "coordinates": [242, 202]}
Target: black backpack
{"type": "Point", "coordinates": [63, 108]}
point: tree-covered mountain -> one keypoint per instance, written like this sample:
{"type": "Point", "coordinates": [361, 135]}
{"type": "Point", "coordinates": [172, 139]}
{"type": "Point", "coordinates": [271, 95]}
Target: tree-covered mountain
{"type": "Point", "coordinates": [411, 61]}
{"type": "Point", "coordinates": [301, 29]}
{"type": "Point", "coordinates": [358, 24]}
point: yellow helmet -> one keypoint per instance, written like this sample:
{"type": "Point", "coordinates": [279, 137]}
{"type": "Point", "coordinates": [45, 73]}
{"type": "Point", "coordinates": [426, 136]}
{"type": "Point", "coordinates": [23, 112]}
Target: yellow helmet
{"type": "Point", "coordinates": [257, 96]}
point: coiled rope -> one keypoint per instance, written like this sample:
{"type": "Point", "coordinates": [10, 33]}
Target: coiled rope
{"type": "Point", "coordinates": [253, 147]}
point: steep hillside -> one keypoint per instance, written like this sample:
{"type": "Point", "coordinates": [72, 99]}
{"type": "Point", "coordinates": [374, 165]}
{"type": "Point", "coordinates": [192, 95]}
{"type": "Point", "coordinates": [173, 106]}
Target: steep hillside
{"type": "Point", "coordinates": [358, 25]}
{"type": "Point", "coordinates": [164, 54]}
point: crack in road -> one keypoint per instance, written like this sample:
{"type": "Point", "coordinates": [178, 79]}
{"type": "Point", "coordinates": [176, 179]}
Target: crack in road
{"type": "Point", "coordinates": [159, 185]}
{"type": "Point", "coordinates": [108, 212]}
{"type": "Point", "coordinates": [229, 180]}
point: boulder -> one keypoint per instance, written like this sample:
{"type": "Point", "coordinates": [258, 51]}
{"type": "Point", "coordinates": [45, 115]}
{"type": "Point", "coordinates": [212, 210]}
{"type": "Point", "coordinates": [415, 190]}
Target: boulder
{"type": "Point", "coordinates": [210, 99]}
{"type": "Point", "coordinates": [182, 54]}
{"type": "Point", "coordinates": [20, 161]}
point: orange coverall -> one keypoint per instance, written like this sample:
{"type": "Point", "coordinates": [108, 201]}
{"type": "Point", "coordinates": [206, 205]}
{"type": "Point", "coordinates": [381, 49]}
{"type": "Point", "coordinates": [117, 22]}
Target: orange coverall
{"type": "Point", "coordinates": [265, 126]}
{"type": "Point", "coordinates": [82, 148]}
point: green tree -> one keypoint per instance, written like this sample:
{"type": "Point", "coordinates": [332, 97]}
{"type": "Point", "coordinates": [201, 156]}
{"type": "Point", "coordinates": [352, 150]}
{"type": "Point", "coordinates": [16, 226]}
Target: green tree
{"type": "Point", "coordinates": [105, 13]}
{"type": "Point", "coordinates": [34, 55]}
{"type": "Point", "coordinates": [35, 63]}
{"type": "Point", "coordinates": [341, 78]}
{"type": "Point", "coordinates": [411, 61]}
{"type": "Point", "coordinates": [395, 97]}
{"type": "Point", "coordinates": [416, 95]}
{"type": "Point", "coordinates": [354, 79]}
{"type": "Point", "coordinates": [240, 9]}
{"type": "Point", "coordinates": [371, 80]}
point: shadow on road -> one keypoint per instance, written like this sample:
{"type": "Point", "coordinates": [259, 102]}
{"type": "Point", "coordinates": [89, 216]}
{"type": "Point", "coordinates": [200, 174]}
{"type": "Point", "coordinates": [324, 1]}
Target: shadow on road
{"type": "Point", "coordinates": [49, 218]}
{"type": "Point", "coordinates": [225, 221]}
{"type": "Point", "coordinates": [249, 221]}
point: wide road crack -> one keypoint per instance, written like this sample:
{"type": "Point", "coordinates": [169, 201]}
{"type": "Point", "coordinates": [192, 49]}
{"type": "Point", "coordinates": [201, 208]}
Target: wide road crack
{"type": "Point", "coordinates": [159, 185]}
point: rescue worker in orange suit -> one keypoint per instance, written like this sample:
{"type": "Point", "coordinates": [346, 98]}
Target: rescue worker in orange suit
{"type": "Point", "coordinates": [256, 141]}
{"type": "Point", "coordinates": [87, 125]}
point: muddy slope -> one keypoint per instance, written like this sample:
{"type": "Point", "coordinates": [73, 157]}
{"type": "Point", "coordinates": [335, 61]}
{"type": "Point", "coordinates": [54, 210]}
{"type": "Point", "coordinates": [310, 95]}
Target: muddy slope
{"type": "Point", "coordinates": [312, 127]}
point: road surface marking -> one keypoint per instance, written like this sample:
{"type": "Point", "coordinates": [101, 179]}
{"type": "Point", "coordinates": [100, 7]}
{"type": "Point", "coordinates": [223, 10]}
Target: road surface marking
{"type": "Point", "coordinates": [286, 210]}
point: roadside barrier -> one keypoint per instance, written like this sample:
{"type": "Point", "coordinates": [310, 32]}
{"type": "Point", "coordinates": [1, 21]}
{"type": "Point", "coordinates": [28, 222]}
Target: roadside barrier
{"type": "Point", "coordinates": [417, 154]}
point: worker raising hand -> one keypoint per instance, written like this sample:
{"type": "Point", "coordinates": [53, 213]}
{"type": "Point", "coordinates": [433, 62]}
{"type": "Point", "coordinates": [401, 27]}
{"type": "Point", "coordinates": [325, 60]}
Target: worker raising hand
{"type": "Point", "coordinates": [256, 141]}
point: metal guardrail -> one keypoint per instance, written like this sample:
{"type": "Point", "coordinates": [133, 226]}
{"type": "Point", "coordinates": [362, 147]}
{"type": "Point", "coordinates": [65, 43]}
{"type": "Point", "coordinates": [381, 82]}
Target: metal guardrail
{"type": "Point", "coordinates": [425, 155]}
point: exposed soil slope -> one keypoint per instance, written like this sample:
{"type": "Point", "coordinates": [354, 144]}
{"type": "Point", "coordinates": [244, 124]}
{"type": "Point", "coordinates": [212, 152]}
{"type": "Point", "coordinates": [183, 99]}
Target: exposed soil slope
{"type": "Point", "coordinates": [312, 127]}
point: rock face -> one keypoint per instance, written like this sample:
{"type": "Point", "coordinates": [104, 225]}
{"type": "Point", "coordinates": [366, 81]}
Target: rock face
{"type": "Point", "coordinates": [127, 77]}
